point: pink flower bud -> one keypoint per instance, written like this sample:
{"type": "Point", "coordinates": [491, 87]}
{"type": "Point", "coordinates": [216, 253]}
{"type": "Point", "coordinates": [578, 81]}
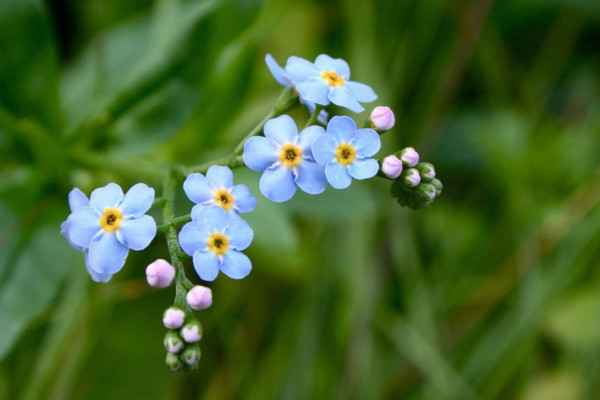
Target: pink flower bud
{"type": "Point", "coordinates": [173, 318]}
{"type": "Point", "coordinates": [199, 297]}
{"type": "Point", "coordinates": [160, 274]}
{"type": "Point", "coordinates": [191, 332]}
{"type": "Point", "coordinates": [409, 157]}
{"type": "Point", "coordinates": [382, 118]}
{"type": "Point", "coordinates": [411, 177]}
{"type": "Point", "coordinates": [392, 167]}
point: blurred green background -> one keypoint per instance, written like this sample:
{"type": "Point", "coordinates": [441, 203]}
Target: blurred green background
{"type": "Point", "coordinates": [493, 293]}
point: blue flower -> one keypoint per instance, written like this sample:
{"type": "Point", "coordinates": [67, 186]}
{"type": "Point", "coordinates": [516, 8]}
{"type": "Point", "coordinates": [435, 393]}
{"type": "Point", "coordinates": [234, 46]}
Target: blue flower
{"type": "Point", "coordinates": [216, 188]}
{"type": "Point", "coordinates": [327, 80]}
{"type": "Point", "coordinates": [345, 152]}
{"type": "Point", "coordinates": [284, 79]}
{"type": "Point", "coordinates": [110, 224]}
{"type": "Point", "coordinates": [287, 159]}
{"type": "Point", "coordinates": [78, 200]}
{"type": "Point", "coordinates": [215, 241]}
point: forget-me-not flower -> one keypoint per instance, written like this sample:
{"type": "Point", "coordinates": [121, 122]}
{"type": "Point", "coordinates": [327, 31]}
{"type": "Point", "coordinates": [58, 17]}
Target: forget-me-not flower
{"type": "Point", "coordinates": [111, 224]}
{"type": "Point", "coordinates": [345, 152]}
{"type": "Point", "coordinates": [284, 79]}
{"type": "Point", "coordinates": [215, 241]}
{"type": "Point", "coordinates": [77, 200]}
{"type": "Point", "coordinates": [216, 188]}
{"type": "Point", "coordinates": [287, 159]}
{"type": "Point", "coordinates": [327, 80]}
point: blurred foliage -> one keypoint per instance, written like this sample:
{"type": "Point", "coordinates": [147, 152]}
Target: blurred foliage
{"type": "Point", "coordinates": [492, 293]}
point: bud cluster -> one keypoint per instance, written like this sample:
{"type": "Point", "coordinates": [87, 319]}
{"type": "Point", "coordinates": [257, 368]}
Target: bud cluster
{"type": "Point", "coordinates": [181, 341]}
{"type": "Point", "coordinates": [415, 184]}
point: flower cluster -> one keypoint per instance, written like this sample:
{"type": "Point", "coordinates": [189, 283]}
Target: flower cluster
{"type": "Point", "coordinates": [327, 151]}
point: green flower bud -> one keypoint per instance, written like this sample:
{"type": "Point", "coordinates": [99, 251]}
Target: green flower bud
{"type": "Point", "coordinates": [426, 171]}
{"type": "Point", "coordinates": [173, 342]}
{"type": "Point", "coordinates": [410, 177]}
{"type": "Point", "coordinates": [426, 192]}
{"type": "Point", "coordinates": [438, 186]}
{"type": "Point", "coordinates": [191, 354]}
{"type": "Point", "coordinates": [173, 362]}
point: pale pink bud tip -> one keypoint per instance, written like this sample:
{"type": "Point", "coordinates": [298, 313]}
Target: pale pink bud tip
{"type": "Point", "coordinates": [382, 118]}
{"type": "Point", "coordinates": [412, 177]}
{"type": "Point", "coordinates": [392, 166]}
{"type": "Point", "coordinates": [173, 318]}
{"type": "Point", "coordinates": [199, 297]}
{"type": "Point", "coordinates": [191, 334]}
{"type": "Point", "coordinates": [409, 157]}
{"type": "Point", "coordinates": [160, 274]}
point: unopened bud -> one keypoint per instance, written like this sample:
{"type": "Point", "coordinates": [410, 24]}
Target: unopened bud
{"type": "Point", "coordinates": [411, 177]}
{"type": "Point", "coordinates": [191, 354]}
{"type": "Point", "coordinates": [426, 171]}
{"type": "Point", "coordinates": [173, 318]}
{"type": "Point", "coordinates": [160, 273]}
{"type": "Point", "coordinates": [192, 331]}
{"type": "Point", "coordinates": [409, 157]}
{"type": "Point", "coordinates": [438, 186]}
{"type": "Point", "coordinates": [199, 297]}
{"type": "Point", "coordinates": [382, 118]}
{"type": "Point", "coordinates": [173, 362]}
{"type": "Point", "coordinates": [391, 166]}
{"type": "Point", "coordinates": [172, 342]}
{"type": "Point", "coordinates": [426, 191]}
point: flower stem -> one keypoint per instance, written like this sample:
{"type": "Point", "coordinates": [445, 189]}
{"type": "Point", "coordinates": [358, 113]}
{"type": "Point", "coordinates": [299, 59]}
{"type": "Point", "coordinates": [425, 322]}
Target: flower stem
{"type": "Point", "coordinates": [314, 116]}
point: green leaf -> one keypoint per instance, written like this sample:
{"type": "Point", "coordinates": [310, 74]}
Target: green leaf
{"type": "Point", "coordinates": [34, 282]}
{"type": "Point", "coordinates": [28, 65]}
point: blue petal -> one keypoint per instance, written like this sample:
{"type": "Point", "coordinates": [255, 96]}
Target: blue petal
{"type": "Point", "coordinates": [315, 90]}
{"type": "Point", "coordinates": [137, 233]}
{"type": "Point", "coordinates": [77, 199]}
{"type": "Point", "coordinates": [107, 255]}
{"type": "Point", "coordinates": [281, 129]}
{"type": "Point", "coordinates": [307, 137]}
{"type": "Point", "coordinates": [311, 177]}
{"type": "Point", "coordinates": [300, 69]}
{"type": "Point", "coordinates": [329, 64]}
{"type": "Point", "coordinates": [96, 277]}
{"type": "Point", "coordinates": [240, 234]}
{"type": "Point", "coordinates": [366, 142]}
{"type": "Point", "coordinates": [337, 175]}
{"type": "Point", "coordinates": [277, 184]}
{"type": "Point", "coordinates": [363, 168]}
{"type": "Point", "coordinates": [206, 265]}
{"type": "Point", "coordinates": [323, 149]}
{"type": "Point", "coordinates": [213, 218]}
{"type": "Point", "coordinates": [106, 197]}
{"type": "Point", "coordinates": [193, 237]}
{"type": "Point", "coordinates": [236, 265]}
{"type": "Point", "coordinates": [65, 231]}
{"type": "Point", "coordinates": [361, 92]}
{"type": "Point", "coordinates": [221, 177]}
{"type": "Point", "coordinates": [342, 97]}
{"type": "Point", "coordinates": [243, 199]}
{"type": "Point", "coordinates": [198, 189]}
{"type": "Point", "coordinates": [137, 201]}
{"type": "Point", "coordinates": [342, 128]}
{"type": "Point", "coordinates": [260, 153]}
{"type": "Point", "coordinates": [84, 224]}
{"type": "Point", "coordinates": [278, 72]}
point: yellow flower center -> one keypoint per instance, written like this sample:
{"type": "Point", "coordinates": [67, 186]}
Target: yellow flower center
{"type": "Point", "coordinates": [290, 155]}
{"type": "Point", "coordinates": [218, 243]}
{"type": "Point", "coordinates": [111, 219]}
{"type": "Point", "coordinates": [332, 78]}
{"type": "Point", "coordinates": [345, 154]}
{"type": "Point", "coordinates": [224, 199]}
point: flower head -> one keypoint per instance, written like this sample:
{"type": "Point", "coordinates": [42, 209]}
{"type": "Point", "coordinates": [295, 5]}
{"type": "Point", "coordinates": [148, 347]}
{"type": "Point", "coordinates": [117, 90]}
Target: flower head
{"type": "Point", "coordinates": [173, 318]}
{"type": "Point", "coordinates": [160, 274]}
{"type": "Point", "coordinates": [345, 152]}
{"type": "Point", "coordinates": [286, 158]}
{"type": "Point", "coordinates": [392, 166]}
{"type": "Point", "coordinates": [327, 80]}
{"type": "Point", "coordinates": [382, 118]}
{"type": "Point", "coordinates": [216, 188]}
{"type": "Point", "coordinates": [199, 297]}
{"type": "Point", "coordinates": [284, 79]}
{"type": "Point", "coordinates": [215, 241]}
{"type": "Point", "coordinates": [108, 225]}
